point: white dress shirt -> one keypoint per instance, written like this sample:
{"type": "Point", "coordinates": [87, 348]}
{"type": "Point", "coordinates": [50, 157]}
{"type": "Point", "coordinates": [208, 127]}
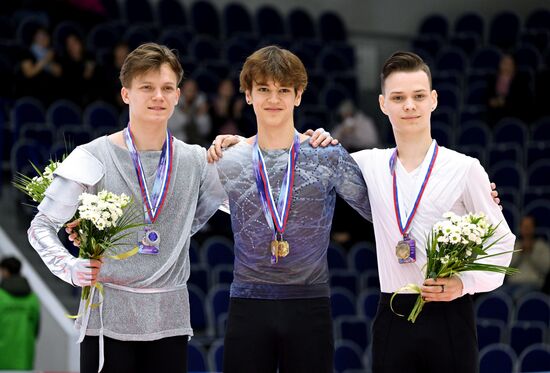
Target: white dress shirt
{"type": "Point", "coordinates": [458, 183]}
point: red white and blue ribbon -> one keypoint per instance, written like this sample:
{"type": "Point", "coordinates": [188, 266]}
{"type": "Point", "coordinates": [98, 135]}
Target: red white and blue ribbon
{"type": "Point", "coordinates": [393, 160]}
{"type": "Point", "coordinates": [276, 214]}
{"type": "Point", "coordinates": [152, 202]}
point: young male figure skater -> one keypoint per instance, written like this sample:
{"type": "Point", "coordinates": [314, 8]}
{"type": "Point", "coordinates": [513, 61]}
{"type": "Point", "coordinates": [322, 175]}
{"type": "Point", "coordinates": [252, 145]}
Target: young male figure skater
{"type": "Point", "coordinates": [143, 322]}
{"type": "Point", "coordinates": [411, 186]}
{"type": "Point", "coordinates": [455, 183]}
{"type": "Point", "coordinates": [282, 194]}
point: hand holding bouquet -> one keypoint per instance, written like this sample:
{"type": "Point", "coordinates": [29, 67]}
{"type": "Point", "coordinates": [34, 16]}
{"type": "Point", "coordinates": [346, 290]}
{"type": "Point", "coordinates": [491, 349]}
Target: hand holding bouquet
{"type": "Point", "coordinates": [98, 226]}
{"type": "Point", "coordinates": [457, 244]}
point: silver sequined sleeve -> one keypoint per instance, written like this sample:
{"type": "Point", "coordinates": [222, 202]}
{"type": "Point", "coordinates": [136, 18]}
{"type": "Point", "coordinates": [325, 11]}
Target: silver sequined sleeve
{"type": "Point", "coordinates": [58, 207]}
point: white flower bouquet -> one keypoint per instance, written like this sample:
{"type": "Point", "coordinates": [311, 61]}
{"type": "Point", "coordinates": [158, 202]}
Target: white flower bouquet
{"type": "Point", "coordinates": [100, 221]}
{"type": "Point", "coordinates": [457, 244]}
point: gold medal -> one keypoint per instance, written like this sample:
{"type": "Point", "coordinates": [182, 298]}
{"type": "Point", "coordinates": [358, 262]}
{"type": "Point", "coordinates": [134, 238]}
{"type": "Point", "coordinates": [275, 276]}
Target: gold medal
{"type": "Point", "coordinates": [402, 250]}
{"type": "Point", "coordinates": [274, 245]}
{"type": "Point", "coordinates": [284, 248]}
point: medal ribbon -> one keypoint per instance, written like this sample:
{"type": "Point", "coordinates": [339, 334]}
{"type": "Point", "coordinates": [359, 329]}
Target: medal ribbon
{"type": "Point", "coordinates": [152, 203]}
{"type": "Point", "coordinates": [393, 160]}
{"type": "Point", "coordinates": [276, 216]}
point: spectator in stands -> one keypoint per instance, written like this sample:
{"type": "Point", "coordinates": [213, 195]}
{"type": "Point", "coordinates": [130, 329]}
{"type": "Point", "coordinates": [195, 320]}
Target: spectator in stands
{"type": "Point", "coordinates": [191, 122]}
{"type": "Point", "coordinates": [533, 261]}
{"type": "Point", "coordinates": [356, 131]}
{"type": "Point", "coordinates": [226, 109]}
{"type": "Point", "coordinates": [40, 69]}
{"type": "Point", "coordinates": [78, 71]}
{"type": "Point", "coordinates": [508, 92]}
{"type": "Point", "coordinates": [19, 317]}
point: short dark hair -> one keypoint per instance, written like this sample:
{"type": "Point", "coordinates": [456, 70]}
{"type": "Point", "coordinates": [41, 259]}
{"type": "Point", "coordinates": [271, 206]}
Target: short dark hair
{"type": "Point", "coordinates": [11, 264]}
{"type": "Point", "coordinates": [275, 63]}
{"type": "Point", "coordinates": [403, 61]}
{"type": "Point", "coordinates": [147, 57]}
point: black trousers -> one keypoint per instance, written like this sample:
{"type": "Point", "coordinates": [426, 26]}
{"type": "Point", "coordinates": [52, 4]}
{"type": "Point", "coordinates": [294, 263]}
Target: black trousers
{"type": "Point", "coordinates": [443, 338]}
{"type": "Point", "coordinates": [294, 335]}
{"type": "Point", "coordinates": [163, 355]}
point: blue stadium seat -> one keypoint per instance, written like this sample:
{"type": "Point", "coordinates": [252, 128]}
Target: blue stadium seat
{"type": "Point", "coordinates": [508, 175]}
{"type": "Point", "coordinates": [528, 56]}
{"type": "Point", "coordinates": [362, 257]}
{"type": "Point", "coordinates": [111, 8]}
{"type": "Point", "coordinates": [540, 210]}
{"type": "Point", "coordinates": [199, 311]}
{"type": "Point", "coordinates": [237, 20]}
{"type": "Point", "coordinates": [138, 11]}
{"type": "Point", "coordinates": [217, 250]}
{"type": "Point", "coordinates": [537, 150]}
{"type": "Point", "coordinates": [217, 306]}
{"type": "Point", "coordinates": [497, 358]}
{"type": "Point", "coordinates": [513, 216]}
{"type": "Point", "coordinates": [534, 307]}
{"type": "Point", "coordinates": [215, 355]}
{"type": "Point", "coordinates": [443, 133]}
{"type": "Point", "coordinates": [486, 59]}
{"type": "Point", "coordinates": [331, 61]}
{"type": "Point", "coordinates": [504, 152]}
{"type": "Point", "coordinates": [100, 114]}
{"type": "Point", "coordinates": [355, 329]}
{"type": "Point", "coordinates": [367, 303]}
{"type": "Point", "coordinates": [540, 129]}
{"type": "Point", "coordinates": [467, 42]}
{"type": "Point", "coordinates": [222, 274]}
{"type": "Point", "coordinates": [102, 37]}
{"type": "Point", "coordinates": [538, 173]}
{"type": "Point", "coordinates": [448, 96]}
{"type": "Point", "coordinates": [347, 355]}
{"type": "Point", "coordinates": [427, 47]}
{"type": "Point", "coordinates": [504, 30]}
{"type": "Point", "coordinates": [495, 306]}
{"type": "Point", "coordinates": [176, 38]}
{"type": "Point", "coordinates": [476, 94]}
{"type": "Point", "coordinates": [470, 22]}
{"type": "Point", "coordinates": [196, 357]}
{"type": "Point", "coordinates": [332, 27]}
{"type": "Point", "coordinates": [511, 130]}
{"type": "Point", "coordinates": [526, 333]}
{"type": "Point", "coordinates": [136, 35]}
{"type": "Point", "coordinates": [75, 134]}
{"type": "Point", "coordinates": [39, 132]}
{"type": "Point", "coordinates": [199, 277]}
{"type": "Point", "coordinates": [535, 358]}
{"type": "Point", "coordinates": [451, 59]}
{"type": "Point", "coordinates": [26, 110]}
{"type": "Point", "coordinates": [538, 19]}
{"type": "Point", "coordinates": [25, 151]}
{"type": "Point", "coordinates": [332, 96]}
{"type": "Point", "coordinates": [269, 21]}
{"type": "Point", "coordinates": [342, 302]}
{"type": "Point", "coordinates": [490, 332]}
{"type": "Point", "coordinates": [194, 257]}
{"type": "Point", "coordinates": [204, 48]}
{"type": "Point", "coordinates": [205, 18]}
{"type": "Point", "coordinates": [171, 13]}
{"type": "Point", "coordinates": [434, 24]}
{"type": "Point", "coordinates": [474, 133]}
{"type": "Point", "coordinates": [62, 112]}
{"type": "Point", "coordinates": [207, 80]}
{"type": "Point", "coordinates": [369, 280]}
{"type": "Point", "coordinates": [27, 28]}
{"type": "Point", "coordinates": [300, 24]}
{"type": "Point", "coordinates": [336, 257]}
{"type": "Point", "coordinates": [540, 40]}
{"type": "Point", "coordinates": [346, 279]}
